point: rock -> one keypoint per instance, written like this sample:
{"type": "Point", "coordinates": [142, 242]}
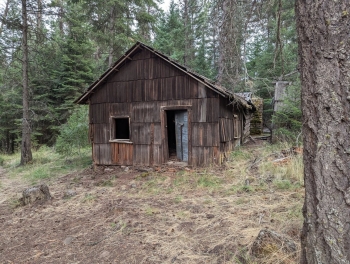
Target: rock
{"type": "Point", "coordinates": [68, 240]}
{"type": "Point", "coordinates": [224, 252]}
{"type": "Point", "coordinates": [36, 194]}
{"type": "Point", "coordinates": [209, 216]}
{"type": "Point", "coordinates": [126, 169]}
{"type": "Point", "coordinates": [108, 169]}
{"type": "Point", "coordinates": [144, 169]}
{"type": "Point", "coordinates": [102, 191]}
{"type": "Point", "coordinates": [269, 242]}
{"type": "Point", "coordinates": [194, 209]}
{"type": "Point", "coordinates": [104, 254]}
{"type": "Point", "coordinates": [69, 193]}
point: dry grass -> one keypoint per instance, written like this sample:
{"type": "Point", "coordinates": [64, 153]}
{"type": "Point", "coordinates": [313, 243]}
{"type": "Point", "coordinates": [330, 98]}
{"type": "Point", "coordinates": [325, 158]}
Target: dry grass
{"type": "Point", "coordinates": [210, 215]}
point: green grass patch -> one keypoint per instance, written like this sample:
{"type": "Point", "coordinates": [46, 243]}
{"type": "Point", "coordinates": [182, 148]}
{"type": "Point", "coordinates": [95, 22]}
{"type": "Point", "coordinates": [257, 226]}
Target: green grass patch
{"type": "Point", "coordinates": [295, 212]}
{"type": "Point", "coordinates": [282, 184]}
{"type": "Point", "coordinates": [89, 198]}
{"type": "Point", "coordinates": [208, 181]}
{"type": "Point", "coordinates": [243, 189]}
{"type": "Point", "coordinates": [106, 183]}
{"type": "Point", "coordinates": [242, 200]}
{"type": "Point", "coordinates": [181, 179]}
{"type": "Point", "coordinates": [46, 164]}
{"type": "Point", "coordinates": [178, 199]}
{"type": "Point", "coordinates": [151, 210]}
{"type": "Point", "coordinates": [240, 154]}
{"type": "Point", "coordinates": [14, 203]}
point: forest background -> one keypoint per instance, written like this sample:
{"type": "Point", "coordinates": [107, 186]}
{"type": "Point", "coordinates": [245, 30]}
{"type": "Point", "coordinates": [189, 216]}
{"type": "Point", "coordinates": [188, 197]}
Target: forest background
{"type": "Point", "coordinates": [244, 45]}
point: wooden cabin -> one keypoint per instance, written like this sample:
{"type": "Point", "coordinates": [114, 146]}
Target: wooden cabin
{"type": "Point", "coordinates": [147, 109]}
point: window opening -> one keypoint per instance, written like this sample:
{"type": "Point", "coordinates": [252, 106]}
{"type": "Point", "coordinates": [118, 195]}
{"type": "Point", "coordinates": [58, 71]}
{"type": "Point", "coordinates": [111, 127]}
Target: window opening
{"type": "Point", "coordinates": [121, 128]}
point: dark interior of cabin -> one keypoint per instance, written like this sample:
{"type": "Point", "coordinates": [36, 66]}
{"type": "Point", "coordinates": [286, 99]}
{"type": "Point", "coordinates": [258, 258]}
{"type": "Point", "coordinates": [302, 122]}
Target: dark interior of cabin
{"type": "Point", "coordinates": [122, 128]}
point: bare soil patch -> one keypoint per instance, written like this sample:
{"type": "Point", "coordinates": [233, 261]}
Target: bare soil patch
{"type": "Point", "coordinates": [138, 216]}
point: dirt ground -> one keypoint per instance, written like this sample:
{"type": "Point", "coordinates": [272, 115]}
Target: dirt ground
{"type": "Point", "coordinates": [116, 215]}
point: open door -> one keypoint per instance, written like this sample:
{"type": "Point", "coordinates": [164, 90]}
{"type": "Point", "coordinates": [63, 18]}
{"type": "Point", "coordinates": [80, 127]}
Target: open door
{"type": "Point", "coordinates": [181, 132]}
{"type": "Point", "coordinates": [177, 134]}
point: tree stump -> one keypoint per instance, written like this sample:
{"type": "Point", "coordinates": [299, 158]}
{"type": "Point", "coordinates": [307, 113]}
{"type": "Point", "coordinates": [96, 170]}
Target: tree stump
{"type": "Point", "coordinates": [37, 194]}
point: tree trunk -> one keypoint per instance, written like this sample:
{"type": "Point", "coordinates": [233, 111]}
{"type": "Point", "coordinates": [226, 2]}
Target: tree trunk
{"type": "Point", "coordinates": [112, 34]}
{"type": "Point", "coordinates": [39, 22]}
{"type": "Point", "coordinates": [26, 152]}
{"type": "Point", "coordinates": [60, 17]}
{"type": "Point", "coordinates": [230, 40]}
{"type": "Point", "coordinates": [4, 16]}
{"type": "Point", "coordinates": [324, 50]}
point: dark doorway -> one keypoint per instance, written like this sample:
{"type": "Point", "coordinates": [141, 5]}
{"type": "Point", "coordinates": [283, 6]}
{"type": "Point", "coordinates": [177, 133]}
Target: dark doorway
{"type": "Point", "coordinates": [171, 134]}
{"type": "Point", "coordinates": [177, 130]}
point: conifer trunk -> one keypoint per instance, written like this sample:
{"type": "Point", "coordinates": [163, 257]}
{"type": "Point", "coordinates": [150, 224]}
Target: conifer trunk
{"type": "Point", "coordinates": [4, 16]}
{"type": "Point", "coordinates": [112, 34]}
{"type": "Point", "coordinates": [26, 152]}
{"type": "Point", "coordinates": [324, 50]}
{"type": "Point", "coordinates": [39, 21]}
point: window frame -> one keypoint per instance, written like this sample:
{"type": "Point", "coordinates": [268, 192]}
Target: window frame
{"type": "Point", "coordinates": [113, 126]}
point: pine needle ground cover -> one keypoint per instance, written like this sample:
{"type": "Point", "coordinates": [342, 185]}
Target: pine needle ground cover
{"type": "Point", "coordinates": [163, 215]}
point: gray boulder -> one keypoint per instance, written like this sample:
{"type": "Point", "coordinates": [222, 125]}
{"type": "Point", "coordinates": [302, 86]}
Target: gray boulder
{"type": "Point", "coordinates": [36, 194]}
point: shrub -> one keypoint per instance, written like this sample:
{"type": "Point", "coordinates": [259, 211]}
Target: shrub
{"type": "Point", "coordinates": [74, 134]}
{"type": "Point", "coordinates": [288, 120]}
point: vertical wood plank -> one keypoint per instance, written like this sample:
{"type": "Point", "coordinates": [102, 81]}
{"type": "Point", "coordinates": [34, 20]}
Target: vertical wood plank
{"type": "Point", "coordinates": [151, 158]}
{"type": "Point", "coordinates": [189, 111]}
{"type": "Point", "coordinates": [105, 154]}
{"type": "Point", "coordinates": [158, 155]}
{"type": "Point", "coordinates": [157, 134]}
{"type": "Point", "coordinates": [96, 154]}
{"type": "Point", "coordinates": [164, 135]}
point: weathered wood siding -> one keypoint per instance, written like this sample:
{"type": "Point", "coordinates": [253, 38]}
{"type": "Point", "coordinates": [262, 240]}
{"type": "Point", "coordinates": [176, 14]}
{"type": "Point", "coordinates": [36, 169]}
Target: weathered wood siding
{"type": "Point", "coordinates": [139, 90]}
{"type": "Point", "coordinates": [230, 126]}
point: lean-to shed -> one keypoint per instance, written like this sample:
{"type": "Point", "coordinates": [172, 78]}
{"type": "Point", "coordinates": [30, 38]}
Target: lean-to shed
{"type": "Point", "coordinates": [147, 109]}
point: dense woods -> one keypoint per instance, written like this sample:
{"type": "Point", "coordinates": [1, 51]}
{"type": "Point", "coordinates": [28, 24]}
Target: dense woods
{"type": "Point", "coordinates": [244, 45]}
{"type": "Point", "coordinates": [51, 50]}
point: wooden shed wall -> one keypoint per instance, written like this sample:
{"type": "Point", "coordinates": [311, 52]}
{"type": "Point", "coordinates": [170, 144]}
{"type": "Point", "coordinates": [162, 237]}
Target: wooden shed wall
{"type": "Point", "coordinates": [139, 90]}
{"type": "Point", "coordinates": [230, 126]}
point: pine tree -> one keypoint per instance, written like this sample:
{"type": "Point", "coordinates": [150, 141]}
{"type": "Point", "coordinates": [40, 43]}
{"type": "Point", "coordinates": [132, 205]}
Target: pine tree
{"type": "Point", "coordinates": [324, 49]}
{"type": "Point", "coordinates": [26, 148]}
{"type": "Point", "coordinates": [75, 67]}
{"type": "Point", "coordinates": [169, 37]}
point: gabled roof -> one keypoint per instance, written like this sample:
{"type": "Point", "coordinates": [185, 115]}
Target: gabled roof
{"type": "Point", "coordinates": [134, 49]}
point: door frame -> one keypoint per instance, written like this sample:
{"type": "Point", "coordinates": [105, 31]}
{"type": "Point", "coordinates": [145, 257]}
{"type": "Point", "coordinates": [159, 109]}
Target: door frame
{"type": "Point", "coordinates": [163, 120]}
